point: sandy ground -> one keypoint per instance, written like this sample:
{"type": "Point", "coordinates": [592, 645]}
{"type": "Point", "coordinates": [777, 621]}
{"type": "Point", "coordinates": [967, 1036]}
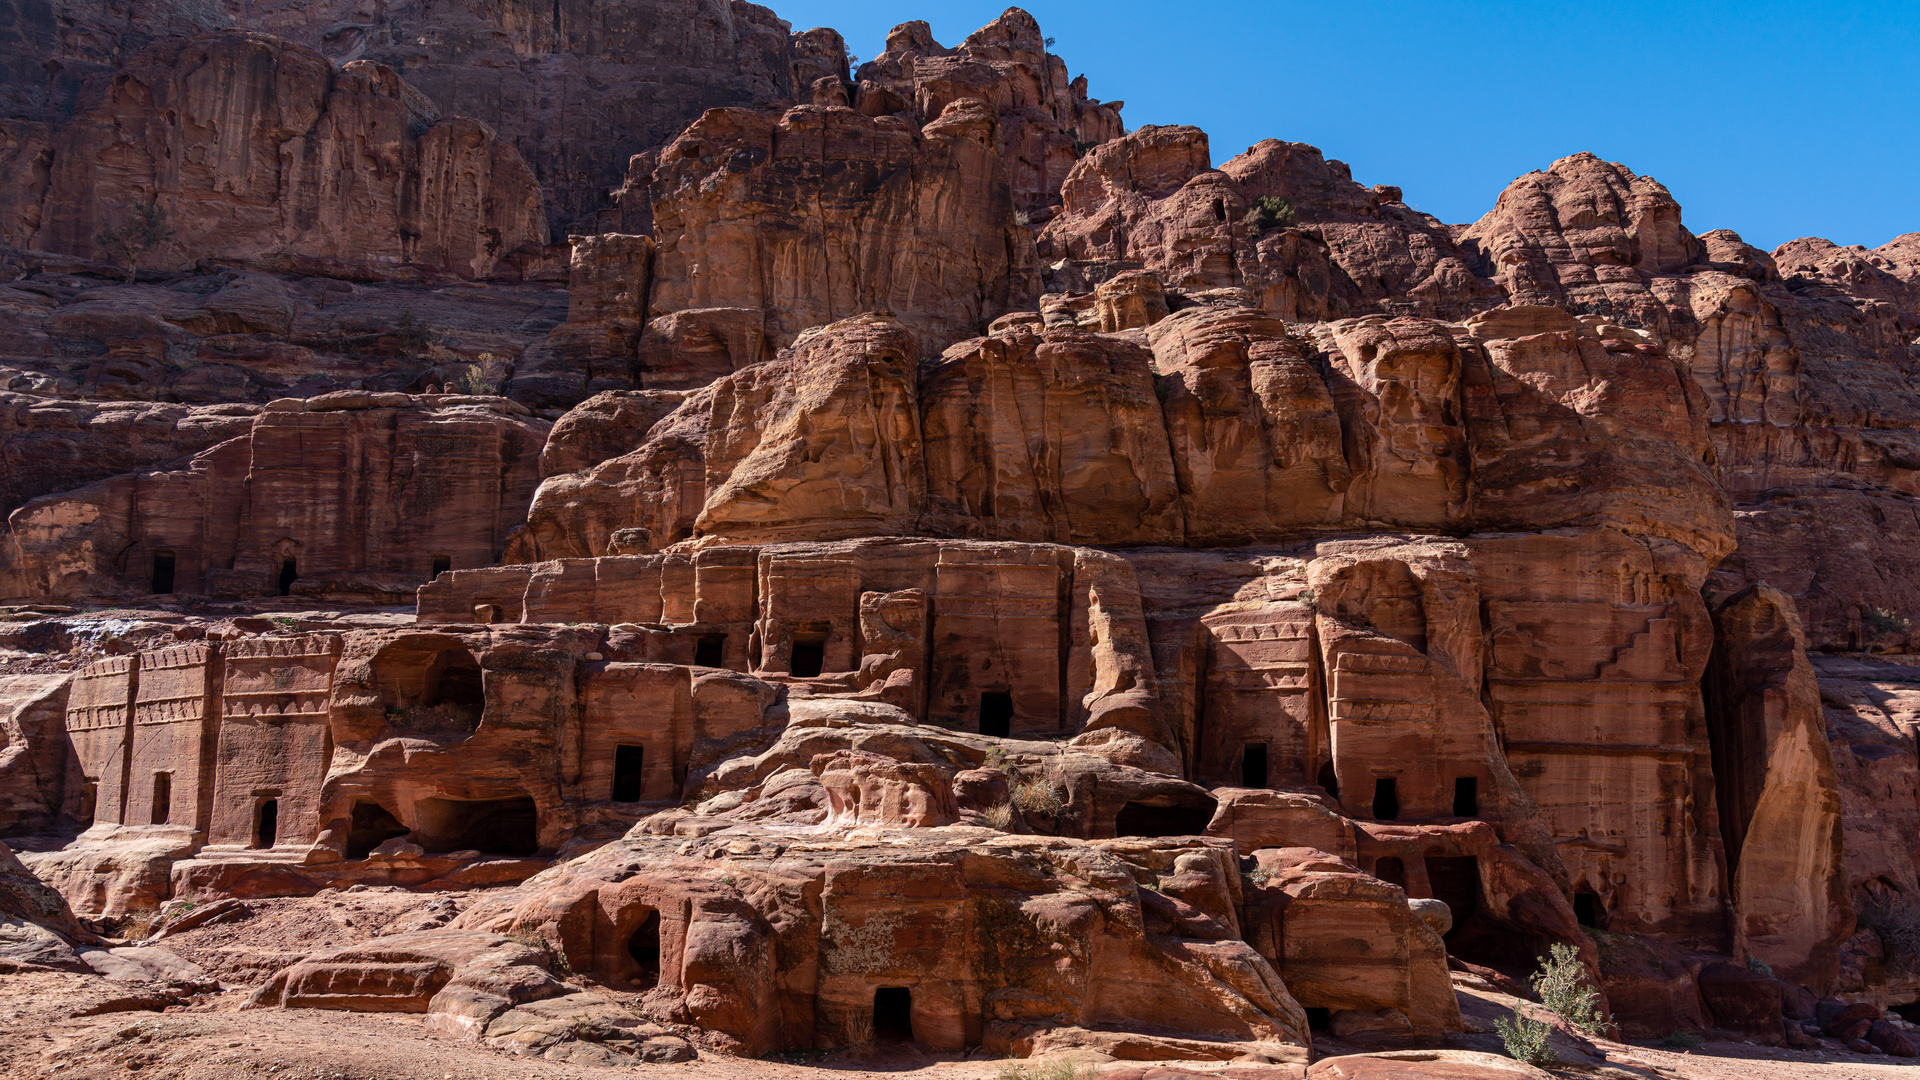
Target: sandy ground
{"type": "Point", "coordinates": [82, 1026]}
{"type": "Point", "coordinates": [211, 1041]}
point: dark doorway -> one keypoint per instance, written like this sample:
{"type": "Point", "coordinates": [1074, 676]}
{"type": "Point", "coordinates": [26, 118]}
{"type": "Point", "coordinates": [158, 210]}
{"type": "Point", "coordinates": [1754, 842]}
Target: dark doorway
{"type": "Point", "coordinates": [162, 572]}
{"type": "Point", "coordinates": [644, 947]}
{"type": "Point", "coordinates": [1320, 1018]}
{"type": "Point", "coordinates": [1455, 881]}
{"type": "Point", "coordinates": [289, 574]}
{"type": "Point", "coordinates": [1253, 765]}
{"type": "Point", "coordinates": [1587, 909]}
{"type": "Point", "coordinates": [1139, 819]}
{"type": "Point", "coordinates": [710, 651]}
{"type": "Point", "coordinates": [441, 564]}
{"type": "Point", "coordinates": [893, 1014]}
{"type": "Point", "coordinates": [1466, 796]}
{"type": "Point", "coordinates": [996, 713]}
{"type": "Point", "coordinates": [489, 826]}
{"type": "Point", "coordinates": [1391, 870]}
{"type": "Point", "coordinates": [628, 772]}
{"type": "Point", "coordinates": [89, 800]}
{"type": "Point", "coordinates": [1386, 798]}
{"type": "Point", "coordinates": [808, 658]}
{"type": "Point", "coordinates": [456, 681]}
{"type": "Point", "coordinates": [371, 826]}
{"type": "Point", "coordinates": [266, 823]}
{"type": "Point", "coordinates": [162, 797]}
{"type": "Point", "coordinates": [1329, 780]}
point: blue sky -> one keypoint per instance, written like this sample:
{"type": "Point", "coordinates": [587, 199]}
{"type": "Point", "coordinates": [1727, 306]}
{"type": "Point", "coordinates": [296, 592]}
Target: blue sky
{"type": "Point", "coordinates": [1777, 120]}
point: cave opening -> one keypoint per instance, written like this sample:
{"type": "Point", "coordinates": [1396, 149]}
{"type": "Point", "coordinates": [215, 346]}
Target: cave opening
{"type": "Point", "coordinates": [629, 771]}
{"type": "Point", "coordinates": [1588, 910]}
{"type": "Point", "coordinates": [508, 826]}
{"type": "Point", "coordinates": [809, 657]}
{"type": "Point", "coordinates": [454, 680]}
{"type": "Point", "coordinates": [370, 826]}
{"type": "Point", "coordinates": [996, 713]}
{"type": "Point", "coordinates": [1455, 881]}
{"type": "Point", "coordinates": [644, 947]}
{"type": "Point", "coordinates": [162, 797]}
{"type": "Point", "coordinates": [1141, 819]}
{"type": "Point", "coordinates": [1391, 870]}
{"type": "Point", "coordinates": [289, 573]}
{"type": "Point", "coordinates": [1466, 796]}
{"type": "Point", "coordinates": [1386, 798]}
{"type": "Point", "coordinates": [441, 564]}
{"type": "Point", "coordinates": [1253, 765]}
{"type": "Point", "coordinates": [710, 651]}
{"type": "Point", "coordinates": [892, 1014]}
{"type": "Point", "coordinates": [266, 823]}
{"type": "Point", "coordinates": [1329, 781]}
{"type": "Point", "coordinates": [162, 572]}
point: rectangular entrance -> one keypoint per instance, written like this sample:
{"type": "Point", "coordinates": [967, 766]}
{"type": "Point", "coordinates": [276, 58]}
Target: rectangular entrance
{"type": "Point", "coordinates": [996, 713]}
{"type": "Point", "coordinates": [629, 767]}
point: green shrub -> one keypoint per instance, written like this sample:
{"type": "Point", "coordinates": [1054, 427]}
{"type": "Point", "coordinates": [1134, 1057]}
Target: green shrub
{"type": "Point", "coordinates": [1884, 621]}
{"type": "Point", "coordinates": [1759, 966]}
{"type": "Point", "coordinates": [1564, 987]}
{"type": "Point", "coordinates": [1269, 212]}
{"type": "Point", "coordinates": [1526, 1039]}
{"type": "Point", "coordinates": [474, 381]}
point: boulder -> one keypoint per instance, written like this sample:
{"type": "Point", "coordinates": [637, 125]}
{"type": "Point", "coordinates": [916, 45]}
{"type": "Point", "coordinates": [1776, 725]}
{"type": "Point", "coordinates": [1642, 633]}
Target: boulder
{"type": "Point", "coordinates": [1848, 1017]}
{"type": "Point", "coordinates": [1740, 999]}
{"type": "Point", "coordinates": [1890, 1039]}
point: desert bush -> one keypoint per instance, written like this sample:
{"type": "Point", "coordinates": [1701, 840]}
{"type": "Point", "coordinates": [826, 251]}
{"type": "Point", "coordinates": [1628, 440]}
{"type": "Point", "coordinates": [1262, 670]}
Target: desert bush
{"type": "Point", "coordinates": [860, 1030]}
{"type": "Point", "coordinates": [473, 379]}
{"type": "Point", "coordinates": [998, 817]}
{"type": "Point", "coordinates": [1564, 987]}
{"type": "Point", "coordinates": [1036, 797]}
{"type": "Point", "coordinates": [1525, 1039]}
{"type": "Point", "coordinates": [1885, 621]}
{"type": "Point", "coordinates": [1269, 212]}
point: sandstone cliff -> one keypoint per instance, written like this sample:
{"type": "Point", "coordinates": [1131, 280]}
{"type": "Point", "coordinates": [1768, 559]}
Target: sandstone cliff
{"type": "Point", "coordinates": [922, 559]}
{"type": "Point", "coordinates": [253, 145]}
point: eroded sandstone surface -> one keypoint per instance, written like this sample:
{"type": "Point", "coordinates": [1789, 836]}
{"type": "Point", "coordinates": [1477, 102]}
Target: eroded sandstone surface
{"type": "Point", "coordinates": [620, 536]}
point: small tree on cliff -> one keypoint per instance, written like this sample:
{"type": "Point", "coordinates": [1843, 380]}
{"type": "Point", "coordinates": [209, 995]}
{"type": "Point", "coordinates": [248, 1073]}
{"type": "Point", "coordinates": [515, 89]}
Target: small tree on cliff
{"type": "Point", "coordinates": [1269, 212]}
{"type": "Point", "coordinates": [144, 229]}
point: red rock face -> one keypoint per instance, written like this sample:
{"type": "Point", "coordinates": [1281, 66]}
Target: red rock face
{"type": "Point", "coordinates": [923, 557]}
{"type": "Point", "coordinates": [576, 88]}
{"type": "Point", "coordinates": [356, 494]}
{"type": "Point", "coordinates": [1069, 436]}
{"type": "Point", "coordinates": [823, 213]}
{"type": "Point", "coordinates": [1152, 199]}
{"type": "Point", "coordinates": [252, 145]}
{"type": "Point", "coordinates": [1046, 121]}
